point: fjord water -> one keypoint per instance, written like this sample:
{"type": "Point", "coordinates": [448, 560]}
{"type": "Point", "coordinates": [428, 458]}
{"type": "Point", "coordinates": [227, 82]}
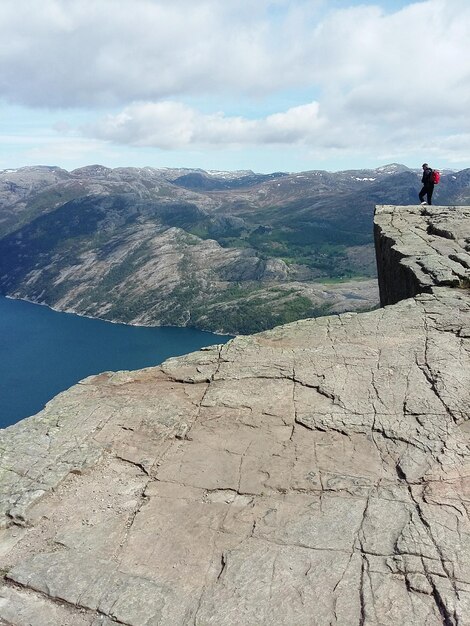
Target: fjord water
{"type": "Point", "coordinates": [43, 352]}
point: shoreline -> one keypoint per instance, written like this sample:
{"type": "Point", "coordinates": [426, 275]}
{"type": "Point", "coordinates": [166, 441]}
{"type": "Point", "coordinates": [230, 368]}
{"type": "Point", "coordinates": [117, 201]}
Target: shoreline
{"type": "Point", "coordinates": [109, 321]}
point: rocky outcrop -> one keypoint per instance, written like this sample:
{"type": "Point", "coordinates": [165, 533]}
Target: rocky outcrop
{"type": "Point", "coordinates": [314, 474]}
{"type": "Point", "coordinates": [418, 250]}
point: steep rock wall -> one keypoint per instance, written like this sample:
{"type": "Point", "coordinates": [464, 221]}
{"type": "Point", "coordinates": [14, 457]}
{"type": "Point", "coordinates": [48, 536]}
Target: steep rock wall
{"type": "Point", "coordinates": [315, 474]}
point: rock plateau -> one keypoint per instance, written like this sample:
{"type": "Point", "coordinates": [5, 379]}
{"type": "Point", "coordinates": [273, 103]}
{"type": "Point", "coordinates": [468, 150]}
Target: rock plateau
{"type": "Point", "coordinates": [314, 474]}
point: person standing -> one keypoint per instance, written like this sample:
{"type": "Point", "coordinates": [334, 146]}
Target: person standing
{"type": "Point", "coordinates": [428, 185]}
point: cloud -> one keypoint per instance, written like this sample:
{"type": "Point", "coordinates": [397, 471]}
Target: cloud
{"type": "Point", "coordinates": [88, 53]}
{"type": "Point", "coordinates": [382, 80]}
{"type": "Point", "coordinates": [172, 125]}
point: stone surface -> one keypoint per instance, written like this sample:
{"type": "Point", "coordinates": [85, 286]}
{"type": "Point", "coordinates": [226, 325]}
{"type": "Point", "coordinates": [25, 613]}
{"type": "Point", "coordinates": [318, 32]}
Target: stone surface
{"type": "Point", "coordinates": [314, 474]}
{"type": "Point", "coordinates": [421, 247]}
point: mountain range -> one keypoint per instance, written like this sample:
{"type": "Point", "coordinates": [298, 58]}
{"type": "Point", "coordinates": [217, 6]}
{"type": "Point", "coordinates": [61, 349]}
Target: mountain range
{"type": "Point", "coordinates": [224, 251]}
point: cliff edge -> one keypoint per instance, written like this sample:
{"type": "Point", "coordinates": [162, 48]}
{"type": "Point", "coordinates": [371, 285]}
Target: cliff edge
{"type": "Point", "coordinates": [314, 474]}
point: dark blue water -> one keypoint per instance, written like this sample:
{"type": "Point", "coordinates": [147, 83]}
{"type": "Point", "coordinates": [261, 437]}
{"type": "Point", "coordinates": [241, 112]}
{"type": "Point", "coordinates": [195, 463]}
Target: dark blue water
{"type": "Point", "coordinates": [43, 352]}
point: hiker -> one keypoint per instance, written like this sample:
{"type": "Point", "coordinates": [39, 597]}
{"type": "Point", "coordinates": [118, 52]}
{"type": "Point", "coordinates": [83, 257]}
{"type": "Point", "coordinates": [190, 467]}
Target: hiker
{"type": "Point", "coordinates": [428, 184]}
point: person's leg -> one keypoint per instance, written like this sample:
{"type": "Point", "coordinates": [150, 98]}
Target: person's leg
{"type": "Point", "coordinates": [429, 193]}
{"type": "Point", "coordinates": [422, 193]}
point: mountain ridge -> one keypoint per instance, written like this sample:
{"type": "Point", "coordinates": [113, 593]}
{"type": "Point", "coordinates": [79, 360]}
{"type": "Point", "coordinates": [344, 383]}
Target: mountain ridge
{"type": "Point", "coordinates": [228, 252]}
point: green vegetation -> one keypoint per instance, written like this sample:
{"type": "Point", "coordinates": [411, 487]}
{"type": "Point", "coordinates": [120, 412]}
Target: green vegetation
{"type": "Point", "coordinates": [341, 279]}
{"type": "Point", "coordinates": [127, 308]}
{"type": "Point", "coordinates": [253, 316]}
{"type": "Point", "coordinates": [321, 248]}
{"type": "Point", "coordinates": [200, 230]}
{"type": "Point", "coordinates": [121, 272]}
{"type": "Point", "coordinates": [240, 310]}
{"type": "Point", "coordinates": [42, 203]}
{"type": "Point", "coordinates": [233, 242]}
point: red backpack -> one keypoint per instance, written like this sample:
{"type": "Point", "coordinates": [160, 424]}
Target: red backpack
{"type": "Point", "coordinates": [436, 177]}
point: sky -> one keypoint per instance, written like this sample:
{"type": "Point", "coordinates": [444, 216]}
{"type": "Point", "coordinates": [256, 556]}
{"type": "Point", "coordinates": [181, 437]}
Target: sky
{"type": "Point", "coordinates": [266, 85]}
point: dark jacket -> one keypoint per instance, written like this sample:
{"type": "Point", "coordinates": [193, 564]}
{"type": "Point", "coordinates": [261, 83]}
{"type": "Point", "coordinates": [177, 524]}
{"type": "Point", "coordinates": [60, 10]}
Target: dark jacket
{"type": "Point", "coordinates": [427, 177]}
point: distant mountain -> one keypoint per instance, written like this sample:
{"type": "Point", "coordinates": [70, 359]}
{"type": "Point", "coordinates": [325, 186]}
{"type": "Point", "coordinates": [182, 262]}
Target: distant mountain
{"type": "Point", "coordinates": [219, 181]}
{"type": "Point", "coordinates": [226, 251]}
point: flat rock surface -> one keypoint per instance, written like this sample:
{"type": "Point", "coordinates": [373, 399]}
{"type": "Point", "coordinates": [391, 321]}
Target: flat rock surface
{"type": "Point", "coordinates": [314, 474]}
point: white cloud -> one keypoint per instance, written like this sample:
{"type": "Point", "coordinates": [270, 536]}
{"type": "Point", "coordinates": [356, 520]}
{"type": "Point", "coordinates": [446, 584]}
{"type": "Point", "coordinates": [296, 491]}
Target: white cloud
{"type": "Point", "coordinates": [174, 125]}
{"type": "Point", "coordinates": [108, 52]}
{"type": "Point", "coordinates": [88, 52]}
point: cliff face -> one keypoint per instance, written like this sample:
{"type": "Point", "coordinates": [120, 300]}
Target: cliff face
{"type": "Point", "coordinates": [317, 473]}
{"type": "Point", "coordinates": [418, 251]}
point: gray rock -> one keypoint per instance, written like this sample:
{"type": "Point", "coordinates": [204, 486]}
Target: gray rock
{"type": "Point", "coordinates": [22, 607]}
{"type": "Point", "coordinates": [420, 247]}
